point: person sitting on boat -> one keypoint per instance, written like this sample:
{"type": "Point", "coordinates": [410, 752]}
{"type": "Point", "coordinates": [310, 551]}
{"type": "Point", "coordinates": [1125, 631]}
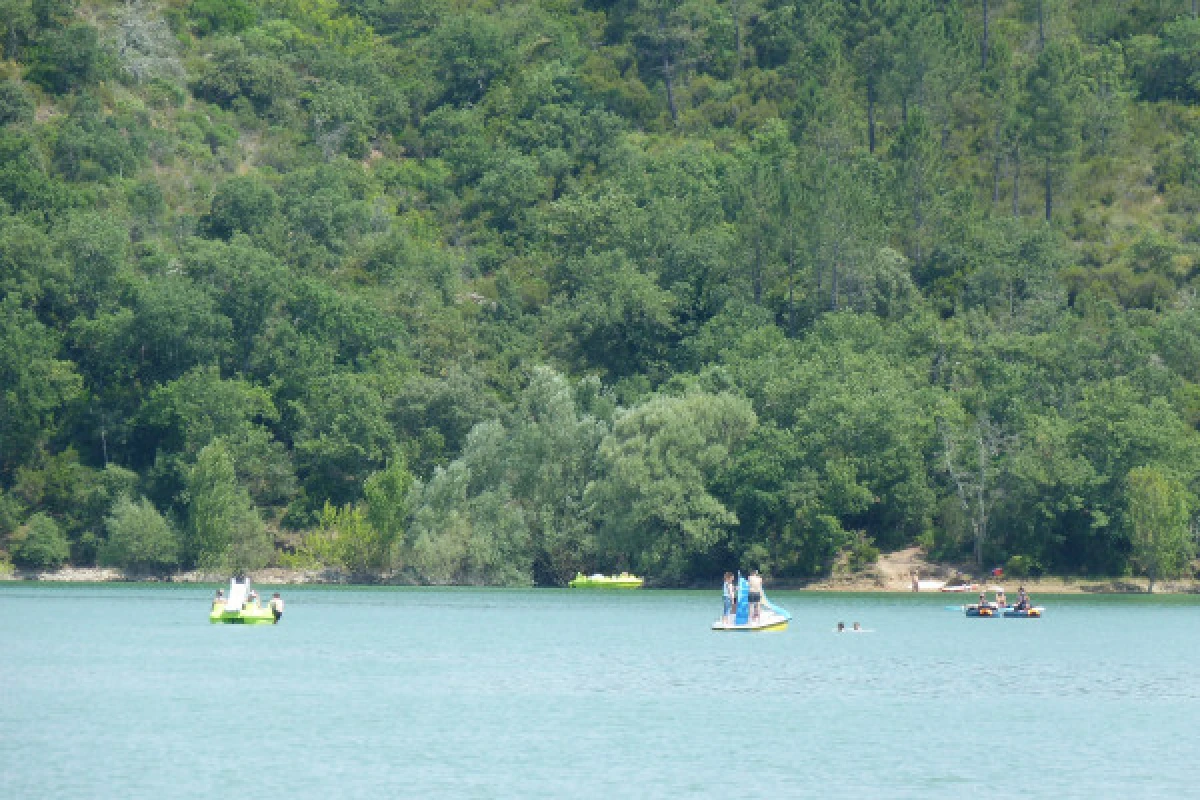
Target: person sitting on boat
{"type": "Point", "coordinates": [276, 606]}
{"type": "Point", "coordinates": [251, 600]}
{"type": "Point", "coordinates": [1022, 600]}
{"type": "Point", "coordinates": [841, 627]}
{"type": "Point", "coordinates": [219, 600]}
{"type": "Point", "coordinates": [729, 592]}
{"type": "Point", "coordinates": [754, 595]}
{"type": "Point", "coordinates": [1001, 600]}
{"type": "Point", "coordinates": [857, 628]}
{"type": "Point", "coordinates": [983, 603]}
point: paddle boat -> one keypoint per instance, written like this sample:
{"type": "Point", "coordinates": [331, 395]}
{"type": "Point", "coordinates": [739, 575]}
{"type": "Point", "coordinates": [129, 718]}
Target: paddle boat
{"type": "Point", "coordinates": [1000, 608]}
{"type": "Point", "coordinates": [598, 581]}
{"type": "Point", "coordinates": [240, 607]}
{"type": "Point", "coordinates": [770, 618]}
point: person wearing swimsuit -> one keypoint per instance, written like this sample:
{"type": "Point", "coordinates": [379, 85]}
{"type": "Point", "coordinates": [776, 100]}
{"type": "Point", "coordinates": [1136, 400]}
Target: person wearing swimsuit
{"type": "Point", "coordinates": [755, 595]}
{"type": "Point", "coordinates": [276, 607]}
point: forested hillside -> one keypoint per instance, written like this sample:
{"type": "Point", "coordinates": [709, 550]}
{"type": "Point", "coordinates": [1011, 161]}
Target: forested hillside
{"type": "Point", "coordinates": [491, 292]}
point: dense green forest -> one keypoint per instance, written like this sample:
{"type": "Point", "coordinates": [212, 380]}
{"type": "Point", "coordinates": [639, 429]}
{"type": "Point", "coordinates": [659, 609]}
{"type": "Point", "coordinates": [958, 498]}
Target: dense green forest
{"type": "Point", "coordinates": [469, 291]}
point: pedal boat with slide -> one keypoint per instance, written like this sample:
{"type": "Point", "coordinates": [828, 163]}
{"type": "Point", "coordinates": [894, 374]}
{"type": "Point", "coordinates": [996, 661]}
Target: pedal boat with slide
{"type": "Point", "coordinates": [770, 618]}
{"type": "Point", "coordinates": [598, 581]}
{"type": "Point", "coordinates": [239, 609]}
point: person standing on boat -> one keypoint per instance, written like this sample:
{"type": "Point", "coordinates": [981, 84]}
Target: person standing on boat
{"type": "Point", "coordinates": [729, 592]}
{"type": "Point", "coordinates": [276, 606]}
{"type": "Point", "coordinates": [755, 595]}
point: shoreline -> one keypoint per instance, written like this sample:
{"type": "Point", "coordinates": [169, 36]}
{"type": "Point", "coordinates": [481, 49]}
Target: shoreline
{"type": "Point", "coordinates": [866, 583]}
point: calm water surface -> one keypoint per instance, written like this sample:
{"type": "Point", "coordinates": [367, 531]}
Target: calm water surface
{"type": "Point", "coordinates": [129, 692]}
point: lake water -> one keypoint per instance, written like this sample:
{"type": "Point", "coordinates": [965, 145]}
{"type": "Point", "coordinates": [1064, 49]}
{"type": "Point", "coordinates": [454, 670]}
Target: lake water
{"type": "Point", "coordinates": [129, 692]}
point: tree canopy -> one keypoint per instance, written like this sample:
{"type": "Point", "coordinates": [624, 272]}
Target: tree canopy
{"type": "Point", "coordinates": [495, 292]}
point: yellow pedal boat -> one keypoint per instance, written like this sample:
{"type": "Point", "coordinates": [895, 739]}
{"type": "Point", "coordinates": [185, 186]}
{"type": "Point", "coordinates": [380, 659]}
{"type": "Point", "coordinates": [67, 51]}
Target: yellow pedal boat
{"type": "Point", "coordinates": [598, 581]}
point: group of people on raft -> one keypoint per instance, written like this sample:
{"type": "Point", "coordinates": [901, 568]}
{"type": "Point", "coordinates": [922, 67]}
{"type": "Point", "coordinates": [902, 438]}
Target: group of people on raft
{"type": "Point", "coordinates": [1023, 603]}
{"type": "Point", "coordinates": [252, 601]}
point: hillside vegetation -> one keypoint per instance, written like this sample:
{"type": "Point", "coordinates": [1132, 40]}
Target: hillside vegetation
{"type": "Point", "coordinates": [483, 292]}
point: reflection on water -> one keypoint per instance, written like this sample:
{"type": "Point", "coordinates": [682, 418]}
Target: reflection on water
{"type": "Point", "coordinates": [113, 691]}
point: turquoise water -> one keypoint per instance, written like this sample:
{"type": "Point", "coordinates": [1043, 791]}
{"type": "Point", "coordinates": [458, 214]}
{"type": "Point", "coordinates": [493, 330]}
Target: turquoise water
{"type": "Point", "coordinates": [129, 692]}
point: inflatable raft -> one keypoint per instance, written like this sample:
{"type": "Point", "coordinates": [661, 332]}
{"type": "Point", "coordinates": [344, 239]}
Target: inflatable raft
{"type": "Point", "coordinates": [771, 617]}
{"type": "Point", "coordinates": [1007, 611]}
{"type": "Point", "coordinates": [239, 608]}
{"type": "Point", "coordinates": [598, 581]}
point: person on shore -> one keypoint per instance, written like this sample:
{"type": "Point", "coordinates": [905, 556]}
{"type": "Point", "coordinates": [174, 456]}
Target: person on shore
{"type": "Point", "coordinates": [729, 593]}
{"type": "Point", "coordinates": [916, 584]}
{"type": "Point", "coordinates": [276, 607]}
{"type": "Point", "coordinates": [754, 595]}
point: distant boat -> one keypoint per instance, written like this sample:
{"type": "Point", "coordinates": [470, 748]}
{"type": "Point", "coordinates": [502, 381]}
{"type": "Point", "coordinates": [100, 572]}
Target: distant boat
{"type": "Point", "coordinates": [598, 581]}
{"type": "Point", "coordinates": [771, 617]}
{"type": "Point", "coordinates": [240, 607]}
{"type": "Point", "coordinates": [1027, 613]}
{"type": "Point", "coordinates": [962, 587]}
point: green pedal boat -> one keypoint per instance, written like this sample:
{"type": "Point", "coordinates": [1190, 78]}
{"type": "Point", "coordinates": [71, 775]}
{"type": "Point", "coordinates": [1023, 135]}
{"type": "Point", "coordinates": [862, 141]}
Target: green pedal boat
{"type": "Point", "coordinates": [598, 581]}
{"type": "Point", "coordinates": [241, 606]}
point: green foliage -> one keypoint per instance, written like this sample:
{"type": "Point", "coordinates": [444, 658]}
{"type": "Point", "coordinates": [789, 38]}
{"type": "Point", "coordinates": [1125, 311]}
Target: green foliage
{"type": "Point", "coordinates": [223, 530]}
{"type": "Point", "coordinates": [1160, 516]}
{"type": "Point", "coordinates": [388, 494]}
{"type": "Point", "coordinates": [41, 544]}
{"type": "Point", "coordinates": [71, 58]}
{"type": "Point", "coordinates": [139, 538]}
{"type": "Point", "coordinates": [506, 285]}
{"type": "Point", "coordinates": [221, 16]}
{"type": "Point", "coordinates": [653, 503]}
{"type": "Point", "coordinates": [357, 545]}
{"type": "Point", "coordinates": [242, 205]}
{"type": "Point", "coordinates": [37, 385]}
{"type": "Point", "coordinates": [511, 509]}
{"type": "Point", "coordinates": [16, 106]}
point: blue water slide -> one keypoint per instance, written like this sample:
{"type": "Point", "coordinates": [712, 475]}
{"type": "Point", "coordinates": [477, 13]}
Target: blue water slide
{"type": "Point", "coordinates": [778, 610]}
{"type": "Point", "coordinates": [743, 602]}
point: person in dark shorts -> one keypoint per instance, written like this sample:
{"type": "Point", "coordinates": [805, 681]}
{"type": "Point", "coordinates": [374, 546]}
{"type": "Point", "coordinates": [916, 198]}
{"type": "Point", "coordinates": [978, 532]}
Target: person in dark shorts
{"type": "Point", "coordinates": [754, 595]}
{"type": "Point", "coordinates": [276, 607]}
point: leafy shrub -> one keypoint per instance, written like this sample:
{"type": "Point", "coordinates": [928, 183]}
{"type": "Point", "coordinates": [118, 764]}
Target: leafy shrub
{"type": "Point", "coordinates": [862, 554]}
{"type": "Point", "coordinates": [42, 545]}
{"type": "Point", "coordinates": [241, 205]}
{"type": "Point", "coordinates": [70, 59]}
{"type": "Point", "coordinates": [229, 16]}
{"type": "Point", "coordinates": [1020, 566]}
{"type": "Point", "coordinates": [16, 106]}
{"type": "Point", "coordinates": [139, 538]}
